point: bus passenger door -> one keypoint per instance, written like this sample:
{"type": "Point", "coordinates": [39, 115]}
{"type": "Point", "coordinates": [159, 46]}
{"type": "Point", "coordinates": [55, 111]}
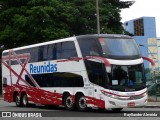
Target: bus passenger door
{"type": "Point", "coordinates": [96, 73]}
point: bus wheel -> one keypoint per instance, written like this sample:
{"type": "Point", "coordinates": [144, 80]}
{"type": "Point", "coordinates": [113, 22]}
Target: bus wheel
{"type": "Point", "coordinates": [18, 101]}
{"type": "Point", "coordinates": [68, 102]}
{"type": "Point", "coordinates": [81, 103]}
{"type": "Point", "coordinates": [117, 109]}
{"type": "Point", "coordinates": [24, 100]}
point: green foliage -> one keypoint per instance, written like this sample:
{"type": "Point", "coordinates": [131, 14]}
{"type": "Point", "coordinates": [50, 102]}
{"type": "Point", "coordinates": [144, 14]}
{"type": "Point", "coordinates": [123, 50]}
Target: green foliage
{"type": "Point", "coordinates": [24, 22]}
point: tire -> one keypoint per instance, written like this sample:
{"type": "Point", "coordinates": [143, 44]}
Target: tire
{"type": "Point", "coordinates": [24, 100]}
{"type": "Point", "coordinates": [81, 103]}
{"type": "Point", "coordinates": [117, 109]}
{"type": "Point", "coordinates": [18, 101]}
{"type": "Point", "coordinates": [68, 103]}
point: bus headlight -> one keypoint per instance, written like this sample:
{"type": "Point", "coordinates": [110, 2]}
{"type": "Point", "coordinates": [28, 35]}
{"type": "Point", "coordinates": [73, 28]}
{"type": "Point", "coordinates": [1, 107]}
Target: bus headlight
{"type": "Point", "coordinates": [144, 94]}
{"type": "Point", "coordinates": [114, 96]}
{"type": "Point", "coordinates": [109, 94]}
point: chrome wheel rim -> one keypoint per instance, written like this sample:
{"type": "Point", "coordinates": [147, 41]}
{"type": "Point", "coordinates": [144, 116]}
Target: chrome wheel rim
{"type": "Point", "coordinates": [25, 99]}
{"type": "Point", "coordinates": [82, 102]}
{"type": "Point", "coordinates": [17, 100]}
{"type": "Point", "coordinates": [69, 102]}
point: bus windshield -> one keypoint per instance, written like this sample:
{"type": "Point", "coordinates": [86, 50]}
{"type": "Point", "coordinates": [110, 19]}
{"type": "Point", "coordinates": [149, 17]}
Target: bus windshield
{"type": "Point", "coordinates": [119, 48]}
{"type": "Point", "coordinates": [127, 78]}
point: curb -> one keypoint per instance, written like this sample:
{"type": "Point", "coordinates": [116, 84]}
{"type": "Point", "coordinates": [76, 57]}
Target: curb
{"type": "Point", "coordinates": [152, 106]}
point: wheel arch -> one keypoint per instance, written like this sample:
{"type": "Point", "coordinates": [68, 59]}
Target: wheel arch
{"type": "Point", "coordinates": [23, 92]}
{"type": "Point", "coordinates": [78, 93]}
{"type": "Point", "coordinates": [15, 93]}
{"type": "Point", "coordinates": [63, 96]}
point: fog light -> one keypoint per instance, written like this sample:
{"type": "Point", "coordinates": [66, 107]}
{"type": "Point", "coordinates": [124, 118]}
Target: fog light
{"type": "Point", "coordinates": [111, 102]}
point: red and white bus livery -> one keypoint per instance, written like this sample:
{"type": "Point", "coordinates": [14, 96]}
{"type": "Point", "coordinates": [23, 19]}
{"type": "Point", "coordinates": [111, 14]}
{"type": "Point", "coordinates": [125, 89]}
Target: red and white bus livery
{"type": "Point", "coordinates": [97, 71]}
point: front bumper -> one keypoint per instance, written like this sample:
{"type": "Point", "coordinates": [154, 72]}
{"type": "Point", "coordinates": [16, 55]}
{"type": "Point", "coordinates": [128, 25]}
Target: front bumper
{"type": "Point", "coordinates": [114, 103]}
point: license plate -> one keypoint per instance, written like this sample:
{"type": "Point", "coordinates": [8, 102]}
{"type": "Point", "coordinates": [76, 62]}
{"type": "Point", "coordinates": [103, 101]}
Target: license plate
{"type": "Point", "coordinates": [131, 104]}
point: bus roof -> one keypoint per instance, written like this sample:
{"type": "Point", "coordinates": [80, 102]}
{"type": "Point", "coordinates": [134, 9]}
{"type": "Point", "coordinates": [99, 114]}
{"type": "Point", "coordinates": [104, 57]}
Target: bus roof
{"type": "Point", "coordinates": [105, 35]}
{"type": "Point", "coordinates": [43, 43]}
{"type": "Point", "coordinates": [70, 39]}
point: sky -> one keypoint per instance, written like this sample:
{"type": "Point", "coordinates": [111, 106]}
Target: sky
{"type": "Point", "coordinates": [143, 8]}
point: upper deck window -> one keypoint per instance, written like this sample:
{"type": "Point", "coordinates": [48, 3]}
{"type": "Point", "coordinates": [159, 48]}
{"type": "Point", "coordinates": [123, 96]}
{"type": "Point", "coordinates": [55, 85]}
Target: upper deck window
{"type": "Point", "coordinates": [62, 50]}
{"type": "Point", "coordinates": [89, 47]}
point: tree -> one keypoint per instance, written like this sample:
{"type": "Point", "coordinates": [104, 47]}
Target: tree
{"type": "Point", "coordinates": [24, 22]}
{"type": "Point", "coordinates": [85, 16]}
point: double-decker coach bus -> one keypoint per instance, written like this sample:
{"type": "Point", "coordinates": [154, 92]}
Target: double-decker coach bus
{"type": "Point", "coordinates": [88, 71]}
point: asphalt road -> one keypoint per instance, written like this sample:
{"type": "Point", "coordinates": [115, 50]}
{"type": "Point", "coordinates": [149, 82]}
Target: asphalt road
{"type": "Point", "coordinates": [54, 113]}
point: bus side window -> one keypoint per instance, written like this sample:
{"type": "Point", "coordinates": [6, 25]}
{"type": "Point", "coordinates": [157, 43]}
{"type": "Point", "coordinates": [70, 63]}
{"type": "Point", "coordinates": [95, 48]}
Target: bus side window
{"type": "Point", "coordinates": [4, 82]}
{"type": "Point", "coordinates": [96, 73]}
{"type": "Point", "coordinates": [40, 53]}
{"type": "Point", "coordinates": [50, 52]}
{"type": "Point", "coordinates": [65, 50]}
{"type": "Point", "coordinates": [58, 50]}
{"type": "Point", "coordinates": [54, 52]}
{"type": "Point", "coordinates": [89, 47]}
{"type": "Point", "coordinates": [61, 79]}
{"type": "Point", "coordinates": [32, 54]}
{"type": "Point", "coordinates": [68, 50]}
{"type": "Point", "coordinates": [45, 57]}
{"type": "Point", "coordinates": [29, 80]}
